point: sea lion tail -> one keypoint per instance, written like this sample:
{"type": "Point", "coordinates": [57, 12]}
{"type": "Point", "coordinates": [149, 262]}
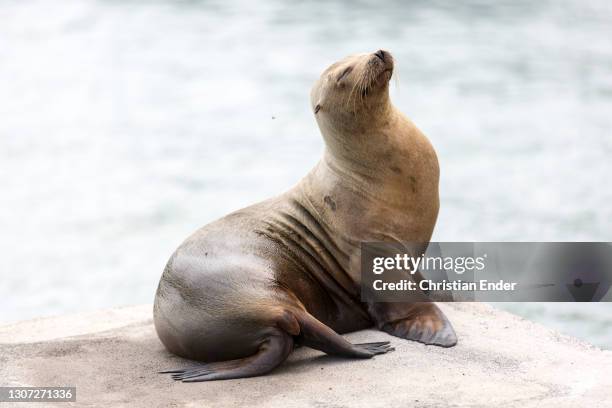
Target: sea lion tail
{"type": "Point", "coordinates": [318, 336]}
{"type": "Point", "coordinates": [271, 353]}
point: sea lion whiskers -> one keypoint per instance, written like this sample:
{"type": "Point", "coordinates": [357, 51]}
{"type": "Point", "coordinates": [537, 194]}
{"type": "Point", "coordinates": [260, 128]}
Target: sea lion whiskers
{"type": "Point", "coordinates": [349, 96]}
{"type": "Point", "coordinates": [362, 85]}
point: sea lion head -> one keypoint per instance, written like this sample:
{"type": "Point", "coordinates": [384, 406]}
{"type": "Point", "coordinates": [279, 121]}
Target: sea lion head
{"type": "Point", "coordinates": [352, 93]}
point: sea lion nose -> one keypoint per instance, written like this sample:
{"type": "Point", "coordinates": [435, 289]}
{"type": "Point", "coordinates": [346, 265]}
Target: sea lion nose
{"type": "Point", "coordinates": [380, 54]}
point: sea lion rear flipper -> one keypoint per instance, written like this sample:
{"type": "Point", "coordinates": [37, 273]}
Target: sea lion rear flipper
{"type": "Point", "coordinates": [423, 322]}
{"type": "Point", "coordinates": [318, 336]}
{"type": "Point", "coordinates": [271, 353]}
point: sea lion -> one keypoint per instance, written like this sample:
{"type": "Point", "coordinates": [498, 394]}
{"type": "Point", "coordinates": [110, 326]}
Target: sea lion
{"type": "Point", "coordinates": [241, 292]}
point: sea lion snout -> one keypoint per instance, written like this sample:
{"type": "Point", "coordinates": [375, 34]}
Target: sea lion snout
{"type": "Point", "coordinates": [385, 57]}
{"type": "Point", "coordinates": [380, 54]}
{"type": "Point", "coordinates": [383, 60]}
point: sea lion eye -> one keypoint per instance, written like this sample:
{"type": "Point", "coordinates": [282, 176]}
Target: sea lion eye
{"type": "Point", "coordinates": [344, 73]}
{"type": "Point", "coordinates": [316, 109]}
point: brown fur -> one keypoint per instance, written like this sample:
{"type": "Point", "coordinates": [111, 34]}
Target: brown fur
{"type": "Point", "coordinates": [249, 285]}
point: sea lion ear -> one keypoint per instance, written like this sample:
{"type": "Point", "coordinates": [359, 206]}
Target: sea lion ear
{"type": "Point", "coordinates": [317, 108]}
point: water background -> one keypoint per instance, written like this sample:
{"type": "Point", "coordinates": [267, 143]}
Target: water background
{"type": "Point", "coordinates": [125, 125]}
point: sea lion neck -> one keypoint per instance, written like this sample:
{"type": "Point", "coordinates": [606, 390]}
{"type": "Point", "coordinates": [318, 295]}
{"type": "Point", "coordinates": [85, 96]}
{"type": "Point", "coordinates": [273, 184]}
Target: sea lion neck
{"type": "Point", "coordinates": [368, 185]}
{"type": "Point", "coordinates": [366, 146]}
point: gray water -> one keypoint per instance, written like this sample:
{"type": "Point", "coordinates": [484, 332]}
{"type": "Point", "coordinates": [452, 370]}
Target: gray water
{"type": "Point", "coordinates": [126, 125]}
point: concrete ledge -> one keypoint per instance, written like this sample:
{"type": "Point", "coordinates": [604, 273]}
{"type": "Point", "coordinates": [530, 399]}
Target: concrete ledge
{"type": "Point", "coordinates": [501, 360]}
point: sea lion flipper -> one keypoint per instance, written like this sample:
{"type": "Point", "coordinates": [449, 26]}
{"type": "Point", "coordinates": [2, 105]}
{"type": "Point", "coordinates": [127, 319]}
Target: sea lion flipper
{"type": "Point", "coordinates": [424, 323]}
{"type": "Point", "coordinates": [271, 353]}
{"type": "Point", "coordinates": [317, 335]}
{"type": "Point", "coordinates": [376, 348]}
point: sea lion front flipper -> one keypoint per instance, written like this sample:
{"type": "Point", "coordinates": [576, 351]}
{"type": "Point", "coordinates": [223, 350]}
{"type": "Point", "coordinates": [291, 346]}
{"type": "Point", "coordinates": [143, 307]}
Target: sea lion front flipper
{"type": "Point", "coordinates": [318, 336]}
{"type": "Point", "coordinates": [271, 353]}
{"type": "Point", "coordinates": [423, 322]}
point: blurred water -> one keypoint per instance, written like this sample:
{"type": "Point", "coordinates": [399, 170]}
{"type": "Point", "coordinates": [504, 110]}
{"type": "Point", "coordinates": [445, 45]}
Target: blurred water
{"type": "Point", "coordinates": [126, 125]}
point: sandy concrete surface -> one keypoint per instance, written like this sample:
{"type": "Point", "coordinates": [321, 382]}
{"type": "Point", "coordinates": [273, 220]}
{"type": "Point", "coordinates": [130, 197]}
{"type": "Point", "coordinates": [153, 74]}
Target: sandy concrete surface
{"type": "Point", "coordinates": [501, 360]}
